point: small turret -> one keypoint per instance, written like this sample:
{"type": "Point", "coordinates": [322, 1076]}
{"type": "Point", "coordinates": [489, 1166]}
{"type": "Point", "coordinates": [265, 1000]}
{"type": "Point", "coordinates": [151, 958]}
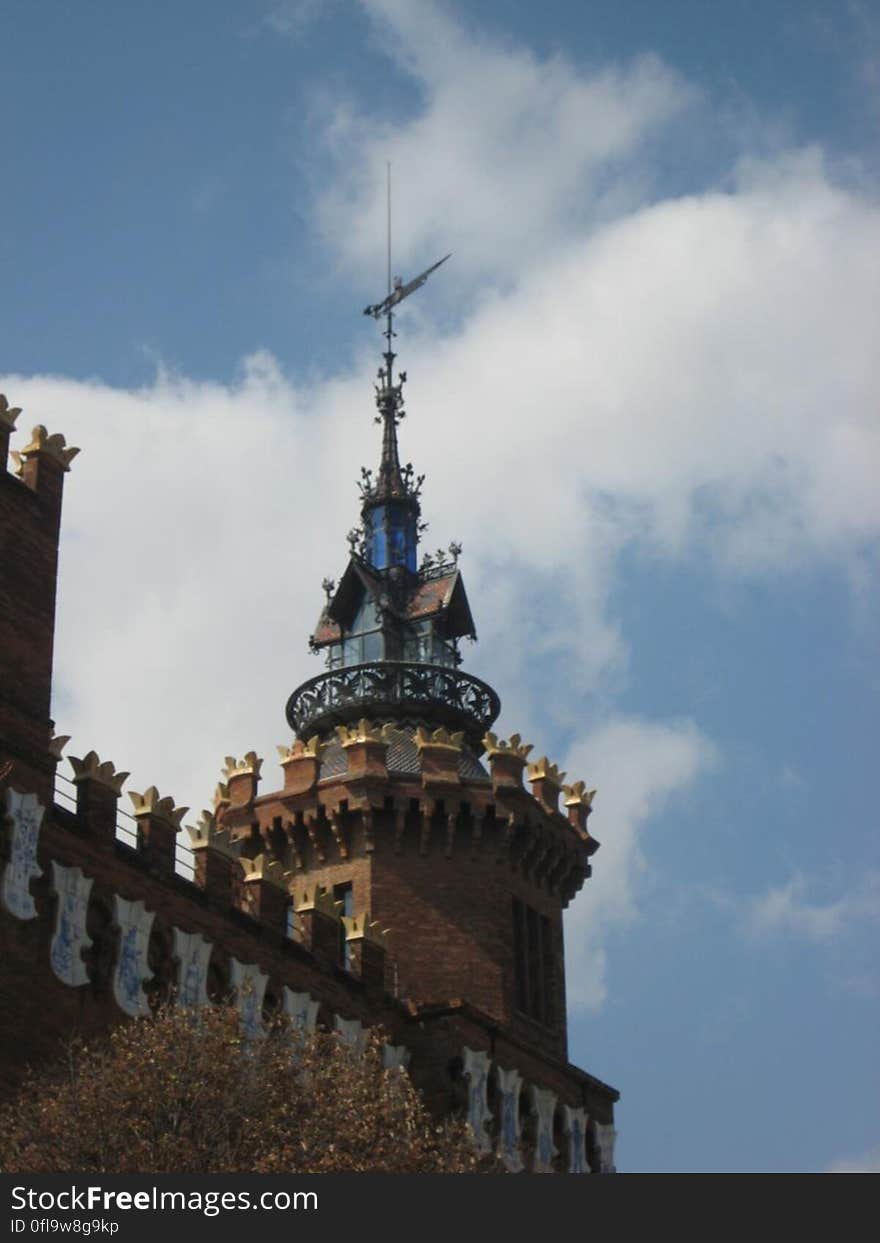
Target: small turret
{"type": "Point", "coordinates": [390, 630]}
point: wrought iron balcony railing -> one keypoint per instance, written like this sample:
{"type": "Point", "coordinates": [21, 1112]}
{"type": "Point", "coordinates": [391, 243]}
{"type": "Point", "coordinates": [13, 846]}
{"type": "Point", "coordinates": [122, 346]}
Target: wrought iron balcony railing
{"type": "Point", "coordinates": [394, 690]}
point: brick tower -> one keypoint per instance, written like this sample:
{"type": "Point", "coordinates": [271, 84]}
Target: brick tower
{"type": "Point", "coordinates": [401, 804]}
{"type": "Point", "coordinates": [410, 872]}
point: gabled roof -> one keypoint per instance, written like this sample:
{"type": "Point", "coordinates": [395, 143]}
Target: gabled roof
{"type": "Point", "coordinates": [426, 598]}
{"type": "Point", "coordinates": [340, 610]}
{"type": "Point", "coordinates": [438, 595]}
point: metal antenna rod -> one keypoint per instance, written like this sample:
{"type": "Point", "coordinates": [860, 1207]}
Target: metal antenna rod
{"type": "Point", "coordinates": [389, 330]}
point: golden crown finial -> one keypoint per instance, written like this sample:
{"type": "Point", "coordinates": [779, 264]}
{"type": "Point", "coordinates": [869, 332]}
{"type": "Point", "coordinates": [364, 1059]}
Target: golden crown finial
{"type": "Point", "coordinates": [150, 803]}
{"type": "Point", "coordinates": [543, 770]}
{"type": "Point", "coordinates": [438, 738]}
{"type": "Point", "coordinates": [498, 746]}
{"type": "Point", "coordinates": [90, 768]}
{"type": "Point", "coordinates": [54, 447]}
{"type": "Point", "coordinates": [310, 748]}
{"type": "Point", "coordinates": [577, 795]}
{"type": "Point", "coordinates": [363, 731]}
{"type": "Point", "coordinates": [249, 765]}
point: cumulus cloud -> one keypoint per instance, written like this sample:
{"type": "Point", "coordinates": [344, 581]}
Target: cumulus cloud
{"type": "Point", "coordinates": [637, 766]}
{"type": "Point", "coordinates": [507, 153]}
{"type": "Point", "coordinates": [691, 376]}
{"type": "Point", "coordinates": [789, 909]}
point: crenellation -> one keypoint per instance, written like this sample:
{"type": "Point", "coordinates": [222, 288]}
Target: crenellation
{"type": "Point", "coordinates": [317, 924]}
{"type": "Point", "coordinates": [266, 889]}
{"type": "Point", "coordinates": [367, 945]}
{"type": "Point", "coordinates": [158, 823]}
{"type": "Point", "coordinates": [98, 790]}
{"type": "Point", "coordinates": [242, 778]}
{"type": "Point", "coordinates": [546, 781]}
{"type": "Point", "coordinates": [216, 859]}
{"type": "Point", "coordinates": [507, 759]}
{"type": "Point", "coordinates": [301, 764]}
{"type": "Point", "coordinates": [579, 803]}
{"type": "Point", "coordinates": [57, 743]}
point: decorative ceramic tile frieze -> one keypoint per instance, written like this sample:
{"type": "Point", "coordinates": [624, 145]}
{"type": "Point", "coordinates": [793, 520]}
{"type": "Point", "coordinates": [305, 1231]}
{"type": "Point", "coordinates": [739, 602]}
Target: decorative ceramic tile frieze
{"type": "Point", "coordinates": [544, 1104]}
{"type": "Point", "coordinates": [301, 1009]}
{"type": "Point", "coordinates": [605, 1140]}
{"type": "Point", "coordinates": [26, 813]}
{"type": "Point", "coordinates": [509, 1085]}
{"type": "Point", "coordinates": [576, 1130]}
{"type": "Point", "coordinates": [476, 1067]}
{"type": "Point", "coordinates": [70, 938]}
{"type": "Point", "coordinates": [134, 922]}
{"type": "Point", "coordinates": [193, 954]}
{"type": "Point", "coordinates": [352, 1031]}
{"type": "Point", "coordinates": [250, 983]}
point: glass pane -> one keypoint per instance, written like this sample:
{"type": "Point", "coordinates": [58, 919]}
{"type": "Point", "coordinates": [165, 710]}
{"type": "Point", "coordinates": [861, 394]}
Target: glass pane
{"type": "Point", "coordinates": [443, 653]}
{"type": "Point", "coordinates": [366, 618]}
{"type": "Point", "coordinates": [374, 648]}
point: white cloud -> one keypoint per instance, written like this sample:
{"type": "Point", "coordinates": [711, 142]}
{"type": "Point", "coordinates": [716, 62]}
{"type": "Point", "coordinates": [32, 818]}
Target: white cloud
{"type": "Point", "coordinates": [507, 153]}
{"type": "Point", "coordinates": [788, 910]}
{"type": "Point", "coordinates": [637, 766]}
{"type": "Point", "coordinates": [867, 1163]}
{"type": "Point", "coordinates": [693, 376]}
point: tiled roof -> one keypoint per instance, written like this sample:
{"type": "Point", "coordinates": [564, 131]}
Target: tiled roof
{"type": "Point", "coordinates": [430, 597]}
{"type": "Point", "coordinates": [326, 631]}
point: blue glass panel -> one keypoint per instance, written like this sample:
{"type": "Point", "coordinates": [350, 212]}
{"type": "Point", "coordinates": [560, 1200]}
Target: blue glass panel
{"type": "Point", "coordinates": [392, 538]}
{"type": "Point", "coordinates": [378, 543]}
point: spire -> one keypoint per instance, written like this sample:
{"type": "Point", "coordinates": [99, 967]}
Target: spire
{"type": "Point", "coordinates": [390, 629]}
{"type": "Point", "coordinates": [389, 400]}
{"type": "Point", "coordinates": [390, 502]}
{"type": "Point", "coordinates": [390, 507]}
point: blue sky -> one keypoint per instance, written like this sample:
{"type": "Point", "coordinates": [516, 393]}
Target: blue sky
{"type": "Point", "coordinates": [644, 392]}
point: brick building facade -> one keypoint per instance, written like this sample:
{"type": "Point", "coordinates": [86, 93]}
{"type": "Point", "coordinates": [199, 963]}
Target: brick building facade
{"type": "Point", "coordinates": [410, 871]}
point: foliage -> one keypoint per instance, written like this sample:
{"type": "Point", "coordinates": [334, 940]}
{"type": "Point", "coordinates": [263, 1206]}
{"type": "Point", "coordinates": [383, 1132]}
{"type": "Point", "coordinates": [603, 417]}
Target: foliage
{"type": "Point", "coordinates": [185, 1092]}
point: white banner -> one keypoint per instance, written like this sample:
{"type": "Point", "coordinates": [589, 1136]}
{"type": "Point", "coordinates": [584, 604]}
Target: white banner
{"type": "Point", "coordinates": [70, 938]}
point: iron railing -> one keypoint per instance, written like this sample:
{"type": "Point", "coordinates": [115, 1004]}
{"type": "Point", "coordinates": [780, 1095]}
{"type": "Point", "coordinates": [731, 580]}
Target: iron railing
{"type": "Point", "coordinates": [126, 826]}
{"type": "Point", "coordinates": [394, 689]}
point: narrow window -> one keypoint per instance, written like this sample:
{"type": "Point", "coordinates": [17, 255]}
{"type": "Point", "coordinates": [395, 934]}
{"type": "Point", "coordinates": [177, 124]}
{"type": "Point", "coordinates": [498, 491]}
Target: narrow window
{"type": "Point", "coordinates": [345, 894]}
{"type": "Point", "coordinates": [534, 956]}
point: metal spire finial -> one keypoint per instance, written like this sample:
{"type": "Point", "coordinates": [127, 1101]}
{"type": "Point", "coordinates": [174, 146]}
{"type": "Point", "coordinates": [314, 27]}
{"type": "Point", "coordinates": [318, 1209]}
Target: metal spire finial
{"type": "Point", "coordinates": [389, 396]}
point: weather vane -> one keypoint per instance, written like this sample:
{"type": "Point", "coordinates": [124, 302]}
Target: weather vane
{"type": "Point", "coordinates": [397, 291]}
{"type": "Point", "coordinates": [400, 291]}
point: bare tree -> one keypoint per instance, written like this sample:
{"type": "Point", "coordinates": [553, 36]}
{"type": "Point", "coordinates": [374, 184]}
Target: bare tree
{"type": "Point", "coordinates": [185, 1092]}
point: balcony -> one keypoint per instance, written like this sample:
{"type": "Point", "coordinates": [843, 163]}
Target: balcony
{"type": "Point", "coordinates": [394, 690]}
